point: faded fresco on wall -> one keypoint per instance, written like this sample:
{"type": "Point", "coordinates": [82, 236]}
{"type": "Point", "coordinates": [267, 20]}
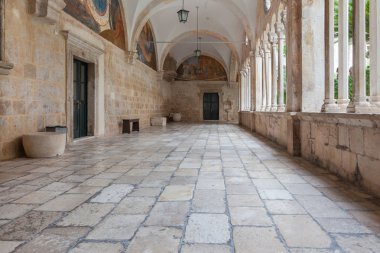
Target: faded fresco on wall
{"type": "Point", "coordinates": [102, 16]}
{"type": "Point", "coordinates": [145, 49]}
{"type": "Point", "coordinates": [205, 68]}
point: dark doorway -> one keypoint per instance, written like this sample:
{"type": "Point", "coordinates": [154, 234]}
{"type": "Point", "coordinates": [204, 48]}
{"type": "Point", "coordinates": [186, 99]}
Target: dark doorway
{"type": "Point", "coordinates": [80, 98]}
{"type": "Point", "coordinates": [211, 106]}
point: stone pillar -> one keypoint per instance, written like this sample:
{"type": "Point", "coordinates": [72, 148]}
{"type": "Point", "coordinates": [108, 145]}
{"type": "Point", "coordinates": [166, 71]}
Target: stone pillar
{"type": "Point", "coordinates": [343, 57]}
{"type": "Point", "coordinates": [359, 102]}
{"type": "Point", "coordinates": [249, 88]}
{"type": "Point", "coordinates": [241, 91]}
{"type": "Point", "coordinates": [375, 55]}
{"type": "Point", "coordinates": [305, 57]}
{"type": "Point", "coordinates": [268, 74]}
{"type": "Point", "coordinates": [330, 102]}
{"type": "Point", "coordinates": [280, 29]}
{"type": "Point", "coordinates": [264, 80]}
{"type": "Point", "coordinates": [257, 90]}
{"type": "Point", "coordinates": [274, 43]}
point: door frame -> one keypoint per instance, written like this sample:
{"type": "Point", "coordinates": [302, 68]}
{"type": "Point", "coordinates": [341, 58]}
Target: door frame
{"type": "Point", "coordinates": [80, 49]}
{"type": "Point", "coordinates": [211, 90]}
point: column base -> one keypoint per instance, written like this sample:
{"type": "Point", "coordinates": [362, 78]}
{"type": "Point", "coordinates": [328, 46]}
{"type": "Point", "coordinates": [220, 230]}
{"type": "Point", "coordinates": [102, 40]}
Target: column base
{"type": "Point", "coordinates": [333, 108]}
{"type": "Point", "coordinates": [342, 105]}
{"type": "Point", "coordinates": [359, 107]}
{"type": "Point", "coordinates": [274, 108]}
{"type": "Point", "coordinates": [281, 108]}
{"type": "Point", "coordinates": [267, 109]}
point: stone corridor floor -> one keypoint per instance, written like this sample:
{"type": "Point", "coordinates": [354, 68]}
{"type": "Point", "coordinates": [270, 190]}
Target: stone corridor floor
{"type": "Point", "coordinates": [184, 188]}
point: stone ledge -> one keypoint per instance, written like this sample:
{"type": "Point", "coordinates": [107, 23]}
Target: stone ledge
{"type": "Point", "coordinates": [349, 119]}
{"type": "Point", "coordinates": [46, 11]}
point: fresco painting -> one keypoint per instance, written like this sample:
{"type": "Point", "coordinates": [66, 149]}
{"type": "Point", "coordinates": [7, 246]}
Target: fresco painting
{"type": "Point", "coordinates": [145, 49]}
{"type": "Point", "coordinates": [205, 68]}
{"type": "Point", "coordinates": [102, 16]}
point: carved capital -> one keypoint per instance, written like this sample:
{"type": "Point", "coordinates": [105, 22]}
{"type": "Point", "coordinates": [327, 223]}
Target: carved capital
{"type": "Point", "coordinates": [132, 57]}
{"type": "Point", "coordinates": [284, 17]}
{"type": "Point", "coordinates": [46, 11]}
{"type": "Point", "coordinates": [273, 38]}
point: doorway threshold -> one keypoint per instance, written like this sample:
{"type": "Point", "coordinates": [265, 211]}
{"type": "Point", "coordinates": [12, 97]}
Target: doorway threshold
{"type": "Point", "coordinates": [83, 139]}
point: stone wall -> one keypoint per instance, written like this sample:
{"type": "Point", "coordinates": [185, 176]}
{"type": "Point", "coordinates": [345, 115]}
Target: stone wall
{"type": "Point", "coordinates": [346, 144]}
{"type": "Point", "coordinates": [187, 98]}
{"type": "Point", "coordinates": [34, 95]}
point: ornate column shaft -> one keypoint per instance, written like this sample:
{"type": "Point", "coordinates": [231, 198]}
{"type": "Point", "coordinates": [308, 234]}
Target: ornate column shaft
{"type": "Point", "coordinates": [264, 80]}
{"type": "Point", "coordinates": [257, 92]}
{"type": "Point", "coordinates": [280, 29]}
{"type": "Point", "coordinates": [375, 54]}
{"type": "Point", "coordinates": [329, 102]}
{"type": "Point", "coordinates": [359, 43]}
{"type": "Point", "coordinates": [268, 74]}
{"type": "Point", "coordinates": [343, 56]}
{"type": "Point", "coordinates": [274, 43]}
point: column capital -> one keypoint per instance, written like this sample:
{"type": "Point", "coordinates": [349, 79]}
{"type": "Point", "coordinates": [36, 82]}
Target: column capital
{"type": "Point", "coordinates": [280, 30]}
{"type": "Point", "coordinates": [273, 39]}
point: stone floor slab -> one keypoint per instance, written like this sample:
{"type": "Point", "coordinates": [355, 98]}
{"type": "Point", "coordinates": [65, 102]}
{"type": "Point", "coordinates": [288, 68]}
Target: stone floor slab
{"type": "Point", "coordinates": [64, 203]}
{"type": "Point", "coordinates": [86, 215]}
{"type": "Point", "coordinates": [244, 200]}
{"type": "Point", "coordinates": [12, 211]}
{"type": "Point", "coordinates": [207, 228]}
{"type": "Point", "coordinates": [156, 240]}
{"type": "Point", "coordinates": [205, 248]}
{"type": "Point", "coordinates": [9, 246]}
{"type": "Point", "coordinates": [177, 193]}
{"type": "Point", "coordinates": [250, 216]}
{"type": "Point", "coordinates": [98, 247]}
{"type": "Point", "coordinates": [135, 205]}
{"type": "Point", "coordinates": [168, 214]}
{"type": "Point", "coordinates": [209, 201]}
{"type": "Point", "coordinates": [113, 193]}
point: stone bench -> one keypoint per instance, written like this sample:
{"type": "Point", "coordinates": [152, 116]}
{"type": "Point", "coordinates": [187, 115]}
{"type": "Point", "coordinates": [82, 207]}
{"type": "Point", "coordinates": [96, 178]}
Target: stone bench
{"type": "Point", "coordinates": [44, 144]}
{"type": "Point", "coordinates": [158, 121]}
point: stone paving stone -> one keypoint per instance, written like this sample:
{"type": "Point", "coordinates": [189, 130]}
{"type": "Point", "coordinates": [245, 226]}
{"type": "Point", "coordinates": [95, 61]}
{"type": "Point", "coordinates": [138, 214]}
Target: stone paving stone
{"type": "Point", "coordinates": [242, 189]}
{"type": "Point", "coordinates": [259, 239]}
{"type": "Point", "coordinates": [15, 193]}
{"type": "Point", "coordinates": [244, 200]}
{"type": "Point", "coordinates": [86, 189]}
{"type": "Point", "coordinates": [129, 180]}
{"type": "Point", "coordinates": [12, 211]}
{"type": "Point", "coordinates": [344, 226]}
{"type": "Point", "coordinates": [108, 175]}
{"type": "Point", "coordinates": [284, 207]}
{"type": "Point", "coordinates": [86, 215]}
{"type": "Point", "coordinates": [37, 197]}
{"type": "Point", "coordinates": [75, 178]}
{"type": "Point", "coordinates": [155, 240]}
{"type": "Point", "coordinates": [117, 227]}
{"type": "Point", "coordinates": [135, 205]}
{"type": "Point", "coordinates": [249, 216]}
{"type": "Point", "coordinates": [2, 222]}
{"type": "Point", "coordinates": [290, 179]}
{"type": "Point", "coordinates": [97, 182]}
{"type": "Point", "coordinates": [210, 184]}
{"type": "Point", "coordinates": [308, 250]}
{"type": "Point", "coordinates": [8, 246]}
{"type": "Point", "coordinates": [168, 214]}
{"type": "Point", "coordinates": [302, 189]}
{"type": "Point", "coordinates": [27, 226]}
{"type": "Point", "coordinates": [138, 172]}
{"type": "Point", "coordinates": [64, 203]}
{"type": "Point", "coordinates": [54, 240]}
{"type": "Point", "coordinates": [209, 201]}
{"type": "Point", "coordinates": [45, 169]}
{"type": "Point", "coordinates": [98, 247]}
{"type": "Point", "coordinates": [205, 248]}
{"type": "Point", "coordinates": [263, 184]}
{"type": "Point", "coordinates": [301, 231]}
{"type": "Point", "coordinates": [177, 193]}
{"type": "Point", "coordinates": [322, 207]}
{"type": "Point", "coordinates": [275, 194]}
{"type": "Point", "coordinates": [207, 228]}
{"type": "Point", "coordinates": [186, 173]}
{"type": "Point", "coordinates": [113, 193]}
{"type": "Point", "coordinates": [358, 243]}
{"type": "Point", "coordinates": [183, 180]}
{"type": "Point", "coordinates": [145, 192]}
{"type": "Point", "coordinates": [238, 180]}
{"type": "Point", "coordinates": [58, 187]}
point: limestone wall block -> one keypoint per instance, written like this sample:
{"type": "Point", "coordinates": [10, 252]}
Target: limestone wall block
{"type": "Point", "coordinates": [372, 143]}
{"type": "Point", "coordinates": [370, 173]}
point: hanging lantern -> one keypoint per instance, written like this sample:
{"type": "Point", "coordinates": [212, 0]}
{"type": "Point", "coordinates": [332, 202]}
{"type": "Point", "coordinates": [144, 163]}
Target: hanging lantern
{"type": "Point", "coordinates": [183, 14]}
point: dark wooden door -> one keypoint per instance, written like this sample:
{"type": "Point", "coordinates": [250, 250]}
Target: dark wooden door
{"type": "Point", "coordinates": [80, 98]}
{"type": "Point", "coordinates": [211, 106]}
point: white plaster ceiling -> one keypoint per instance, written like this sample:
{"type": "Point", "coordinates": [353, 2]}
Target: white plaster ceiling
{"type": "Point", "coordinates": [222, 24]}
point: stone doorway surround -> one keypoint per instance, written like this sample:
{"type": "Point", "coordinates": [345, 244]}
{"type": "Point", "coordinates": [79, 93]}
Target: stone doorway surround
{"type": "Point", "coordinates": [211, 88]}
{"type": "Point", "coordinates": [84, 50]}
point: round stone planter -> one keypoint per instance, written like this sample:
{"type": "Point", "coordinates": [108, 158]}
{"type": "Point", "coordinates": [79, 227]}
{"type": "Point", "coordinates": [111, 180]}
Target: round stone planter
{"type": "Point", "coordinates": [44, 144]}
{"type": "Point", "coordinates": [177, 117]}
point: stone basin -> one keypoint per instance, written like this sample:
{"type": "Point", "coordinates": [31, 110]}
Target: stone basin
{"type": "Point", "coordinates": [44, 144]}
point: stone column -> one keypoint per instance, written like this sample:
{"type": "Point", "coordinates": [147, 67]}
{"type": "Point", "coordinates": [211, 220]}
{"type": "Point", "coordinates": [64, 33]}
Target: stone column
{"type": "Point", "coordinates": [280, 29]}
{"type": "Point", "coordinates": [330, 102]}
{"type": "Point", "coordinates": [343, 57]}
{"type": "Point", "coordinates": [257, 91]}
{"type": "Point", "coordinates": [268, 74]}
{"type": "Point", "coordinates": [249, 88]}
{"type": "Point", "coordinates": [305, 57]}
{"type": "Point", "coordinates": [264, 80]}
{"type": "Point", "coordinates": [274, 43]}
{"type": "Point", "coordinates": [241, 91]}
{"type": "Point", "coordinates": [375, 55]}
{"type": "Point", "coordinates": [359, 102]}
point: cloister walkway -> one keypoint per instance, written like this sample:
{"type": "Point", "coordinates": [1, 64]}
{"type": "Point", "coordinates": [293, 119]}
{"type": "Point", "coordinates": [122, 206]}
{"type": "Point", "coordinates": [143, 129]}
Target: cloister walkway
{"type": "Point", "coordinates": [183, 188]}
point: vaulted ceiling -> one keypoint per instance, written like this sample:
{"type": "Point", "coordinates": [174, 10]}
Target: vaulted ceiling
{"type": "Point", "coordinates": [223, 26]}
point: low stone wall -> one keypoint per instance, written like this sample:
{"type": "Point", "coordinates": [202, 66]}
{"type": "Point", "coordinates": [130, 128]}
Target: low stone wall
{"type": "Point", "coordinates": [346, 144]}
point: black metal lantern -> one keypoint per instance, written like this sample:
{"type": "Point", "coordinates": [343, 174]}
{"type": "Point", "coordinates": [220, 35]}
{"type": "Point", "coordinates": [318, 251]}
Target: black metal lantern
{"type": "Point", "coordinates": [183, 14]}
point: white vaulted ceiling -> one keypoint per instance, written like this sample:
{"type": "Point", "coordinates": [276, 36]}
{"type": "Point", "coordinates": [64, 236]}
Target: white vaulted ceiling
{"type": "Point", "coordinates": [223, 25]}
